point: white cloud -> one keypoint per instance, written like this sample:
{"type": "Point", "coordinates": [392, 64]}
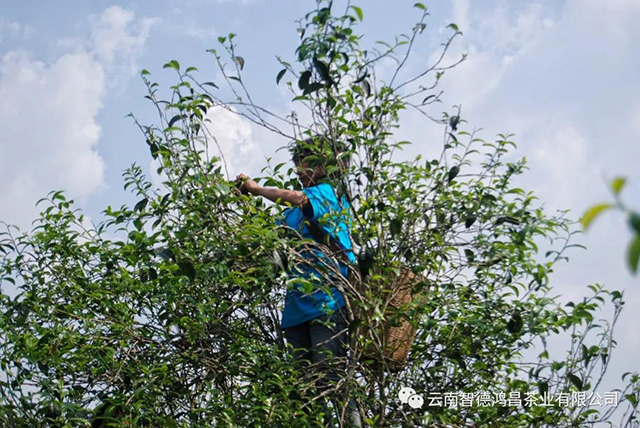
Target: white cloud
{"type": "Point", "coordinates": [200, 32]}
{"type": "Point", "coordinates": [48, 115]}
{"type": "Point", "coordinates": [461, 13]}
{"type": "Point", "coordinates": [494, 39]}
{"type": "Point", "coordinates": [117, 38]}
{"type": "Point", "coordinates": [560, 160]}
{"type": "Point", "coordinates": [14, 29]}
{"type": "Point", "coordinates": [230, 138]}
{"type": "Point", "coordinates": [233, 136]}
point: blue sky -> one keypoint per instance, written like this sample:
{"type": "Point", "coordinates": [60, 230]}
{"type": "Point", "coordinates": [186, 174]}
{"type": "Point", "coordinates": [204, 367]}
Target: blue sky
{"type": "Point", "coordinates": [561, 75]}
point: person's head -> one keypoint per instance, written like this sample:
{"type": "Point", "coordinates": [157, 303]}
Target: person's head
{"type": "Point", "coordinates": [308, 157]}
{"type": "Point", "coordinates": [315, 159]}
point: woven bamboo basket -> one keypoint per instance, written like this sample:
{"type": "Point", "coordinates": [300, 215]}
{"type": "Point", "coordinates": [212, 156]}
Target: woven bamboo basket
{"type": "Point", "coordinates": [398, 337]}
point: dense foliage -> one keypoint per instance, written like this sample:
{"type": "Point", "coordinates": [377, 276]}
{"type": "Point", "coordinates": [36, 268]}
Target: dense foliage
{"type": "Point", "coordinates": [166, 313]}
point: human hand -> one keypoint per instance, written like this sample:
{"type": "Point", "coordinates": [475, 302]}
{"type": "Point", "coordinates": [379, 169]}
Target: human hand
{"type": "Point", "coordinates": [246, 184]}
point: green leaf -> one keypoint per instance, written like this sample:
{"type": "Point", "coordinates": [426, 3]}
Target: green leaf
{"type": "Point", "coordinates": [303, 82]}
{"type": "Point", "coordinates": [141, 204]}
{"type": "Point", "coordinates": [170, 422]}
{"type": "Point", "coordinates": [634, 222]}
{"type": "Point", "coordinates": [395, 226]}
{"type": "Point", "coordinates": [618, 184]}
{"type": "Point", "coordinates": [153, 148]}
{"type": "Point", "coordinates": [585, 354]}
{"type": "Point", "coordinates": [312, 88]}
{"type": "Point", "coordinates": [592, 213]}
{"type": "Point", "coordinates": [453, 172]}
{"type": "Point", "coordinates": [420, 6]}
{"type": "Point", "coordinates": [358, 12]}
{"type": "Point", "coordinates": [366, 87]}
{"type": "Point", "coordinates": [469, 254]}
{"type": "Point", "coordinates": [453, 122]}
{"type": "Point", "coordinates": [361, 77]}
{"type": "Point", "coordinates": [575, 380]}
{"type": "Point", "coordinates": [633, 254]}
{"type": "Point", "coordinates": [469, 222]}
{"type": "Point", "coordinates": [174, 119]}
{"type": "Point", "coordinates": [515, 324]}
{"type": "Point", "coordinates": [428, 98]}
{"type": "Point", "coordinates": [145, 72]}
{"type": "Point", "coordinates": [543, 387]}
{"type": "Point", "coordinates": [507, 219]}
{"type": "Point", "coordinates": [453, 26]}
{"type": "Point", "coordinates": [187, 269]}
{"type": "Point", "coordinates": [172, 64]}
{"type": "Point", "coordinates": [164, 253]}
{"type": "Point", "coordinates": [323, 70]}
{"type": "Point", "coordinates": [190, 69]}
{"type": "Point", "coordinates": [240, 61]}
{"type": "Point", "coordinates": [280, 75]}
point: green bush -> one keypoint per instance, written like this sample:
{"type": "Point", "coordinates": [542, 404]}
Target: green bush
{"type": "Point", "coordinates": [166, 313]}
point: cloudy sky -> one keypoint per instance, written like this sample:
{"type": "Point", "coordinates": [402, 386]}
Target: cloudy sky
{"type": "Point", "coordinates": [561, 75]}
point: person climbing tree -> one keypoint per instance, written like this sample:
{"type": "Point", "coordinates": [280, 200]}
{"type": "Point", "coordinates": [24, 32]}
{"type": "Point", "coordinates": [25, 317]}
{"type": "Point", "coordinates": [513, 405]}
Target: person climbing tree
{"type": "Point", "coordinates": [315, 323]}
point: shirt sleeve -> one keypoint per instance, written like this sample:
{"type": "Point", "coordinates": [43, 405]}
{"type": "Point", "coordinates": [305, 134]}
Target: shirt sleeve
{"type": "Point", "coordinates": [319, 204]}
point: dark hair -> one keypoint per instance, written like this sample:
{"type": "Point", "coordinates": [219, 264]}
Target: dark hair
{"type": "Point", "coordinates": [302, 149]}
{"type": "Point", "coordinates": [318, 150]}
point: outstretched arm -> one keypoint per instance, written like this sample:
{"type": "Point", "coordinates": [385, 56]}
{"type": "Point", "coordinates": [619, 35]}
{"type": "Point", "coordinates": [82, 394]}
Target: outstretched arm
{"type": "Point", "coordinates": [294, 197]}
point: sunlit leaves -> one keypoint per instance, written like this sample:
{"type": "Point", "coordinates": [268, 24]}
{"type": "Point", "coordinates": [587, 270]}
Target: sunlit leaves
{"type": "Point", "coordinates": [618, 184]}
{"type": "Point", "coordinates": [358, 12]}
{"type": "Point", "coordinates": [593, 212]}
{"type": "Point", "coordinates": [172, 64]}
{"type": "Point", "coordinates": [633, 250]}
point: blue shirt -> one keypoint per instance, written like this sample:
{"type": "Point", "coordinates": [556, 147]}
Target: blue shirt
{"type": "Point", "coordinates": [334, 218]}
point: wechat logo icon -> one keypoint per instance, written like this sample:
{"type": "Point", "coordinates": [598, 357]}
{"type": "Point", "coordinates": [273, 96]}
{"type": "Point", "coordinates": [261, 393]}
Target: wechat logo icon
{"type": "Point", "coordinates": [409, 396]}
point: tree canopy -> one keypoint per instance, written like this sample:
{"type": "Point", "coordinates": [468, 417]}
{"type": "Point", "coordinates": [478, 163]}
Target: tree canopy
{"type": "Point", "coordinates": [166, 313]}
